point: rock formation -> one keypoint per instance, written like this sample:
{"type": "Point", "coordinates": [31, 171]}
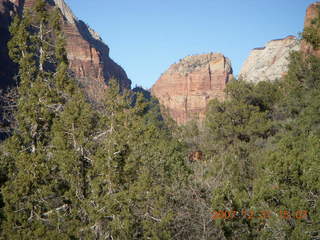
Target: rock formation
{"type": "Point", "coordinates": [88, 55]}
{"type": "Point", "coordinates": [186, 87]}
{"type": "Point", "coordinates": [269, 62]}
{"type": "Point", "coordinates": [311, 13]}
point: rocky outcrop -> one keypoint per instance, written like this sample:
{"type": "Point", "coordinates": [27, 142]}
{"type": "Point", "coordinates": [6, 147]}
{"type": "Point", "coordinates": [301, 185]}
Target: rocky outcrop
{"type": "Point", "coordinates": [88, 55]}
{"type": "Point", "coordinates": [269, 62]}
{"type": "Point", "coordinates": [311, 13]}
{"type": "Point", "coordinates": [186, 87]}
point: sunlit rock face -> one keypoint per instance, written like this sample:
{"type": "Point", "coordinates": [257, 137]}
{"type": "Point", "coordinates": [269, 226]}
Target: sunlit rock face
{"type": "Point", "coordinates": [88, 55]}
{"type": "Point", "coordinates": [269, 62]}
{"type": "Point", "coordinates": [311, 13]}
{"type": "Point", "coordinates": [187, 86]}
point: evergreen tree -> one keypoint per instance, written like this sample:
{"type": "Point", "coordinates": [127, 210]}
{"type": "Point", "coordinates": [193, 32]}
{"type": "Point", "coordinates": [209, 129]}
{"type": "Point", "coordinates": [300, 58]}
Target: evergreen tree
{"type": "Point", "coordinates": [311, 34]}
{"type": "Point", "coordinates": [132, 172]}
{"type": "Point", "coordinates": [264, 145]}
{"type": "Point", "coordinates": [289, 170]}
{"type": "Point", "coordinates": [34, 190]}
{"type": "Point", "coordinates": [72, 149]}
{"type": "Point", "coordinates": [236, 130]}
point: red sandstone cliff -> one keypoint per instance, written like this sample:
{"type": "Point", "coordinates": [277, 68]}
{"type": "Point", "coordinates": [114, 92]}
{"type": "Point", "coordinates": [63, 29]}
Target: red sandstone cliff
{"type": "Point", "coordinates": [88, 55]}
{"type": "Point", "coordinates": [186, 87]}
{"type": "Point", "coordinates": [311, 13]}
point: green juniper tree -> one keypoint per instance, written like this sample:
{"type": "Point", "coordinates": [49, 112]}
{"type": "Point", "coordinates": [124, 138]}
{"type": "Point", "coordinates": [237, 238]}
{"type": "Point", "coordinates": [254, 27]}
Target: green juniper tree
{"type": "Point", "coordinates": [72, 180]}
{"type": "Point", "coordinates": [72, 149]}
{"type": "Point", "coordinates": [289, 170]}
{"type": "Point", "coordinates": [236, 131]}
{"type": "Point", "coordinates": [311, 33]}
{"type": "Point", "coordinates": [264, 146]}
{"type": "Point", "coordinates": [134, 166]}
{"type": "Point", "coordinates": [34, 190]}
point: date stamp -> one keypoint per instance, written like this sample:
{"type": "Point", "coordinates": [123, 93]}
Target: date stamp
{"type": "Point", "coordinates": [263, 214]}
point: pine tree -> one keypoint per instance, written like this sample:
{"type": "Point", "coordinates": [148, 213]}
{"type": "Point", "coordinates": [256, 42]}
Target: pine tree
{"type": "Point", "coordinates": [72, 149]}
{"type": "Point", "coordinates": [236, 130]}
{"type": "Point", "coordinates": [132, 171]}
{"type": "Point", "coordinates": [311, 33]}
{"type": "Point", "coordinates": [264, 143]}
{"type": "Point", "coordinates": [34, 191]}
{"type": "Point", "coordinates": [288, 172]}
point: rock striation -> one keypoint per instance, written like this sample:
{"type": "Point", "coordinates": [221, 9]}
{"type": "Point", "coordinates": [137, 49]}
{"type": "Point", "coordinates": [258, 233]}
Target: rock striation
{"type": "Point", "coordinates": [312, 12]}
{"type": "Point", "coordinates": [186, 87]}
{"type": "Point", "coordinates": [88, 56]}
{"type": "Point", "coordinates": [269, 62]}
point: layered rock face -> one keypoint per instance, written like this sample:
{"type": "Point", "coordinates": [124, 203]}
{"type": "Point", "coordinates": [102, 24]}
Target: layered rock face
{"type": "Point", "coordinates": [269, 62]}
{"type": "Point", "coordinates": [311, 13]}
{"type": "Point", "coordinates": [186, 87]}
{"type": "Point", "coordinates": [88, 55]}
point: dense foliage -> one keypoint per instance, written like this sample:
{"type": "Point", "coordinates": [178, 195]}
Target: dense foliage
{"type": "Point", "coordinates": [262, 154]}
{"type": "Point", "coordinates": [120, 170]}
{"type": "Point", "coordinates": [75, 171]}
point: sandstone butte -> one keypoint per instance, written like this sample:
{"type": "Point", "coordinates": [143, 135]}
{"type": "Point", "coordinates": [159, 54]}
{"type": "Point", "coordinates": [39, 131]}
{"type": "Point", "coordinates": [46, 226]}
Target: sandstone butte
{"type": "Point", "coordinates": [88, 55]}
{"type": "Point", "coordinates": [311, 13]}
{"type": "Point", "coordinates": [185, 89]}
{"type": "Point", "coordinates": [269, 62]}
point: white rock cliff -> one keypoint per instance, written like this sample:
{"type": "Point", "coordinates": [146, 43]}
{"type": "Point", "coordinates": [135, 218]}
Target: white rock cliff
{"type": "Point", "coordinates": [269, 62]}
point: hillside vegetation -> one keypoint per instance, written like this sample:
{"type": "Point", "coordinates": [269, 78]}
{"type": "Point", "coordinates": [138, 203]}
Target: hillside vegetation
{"type": "Point", "coordinates": [75, 170]}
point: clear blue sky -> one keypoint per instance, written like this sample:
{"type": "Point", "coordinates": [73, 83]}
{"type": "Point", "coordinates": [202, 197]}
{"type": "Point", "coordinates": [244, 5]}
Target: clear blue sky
{"type": "Point", "coordinates": [147, 36]}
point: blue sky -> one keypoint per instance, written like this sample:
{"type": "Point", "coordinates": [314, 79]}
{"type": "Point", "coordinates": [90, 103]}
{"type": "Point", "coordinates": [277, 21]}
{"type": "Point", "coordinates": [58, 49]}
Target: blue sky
{"type": "Point", "coordinates": [147, 36]}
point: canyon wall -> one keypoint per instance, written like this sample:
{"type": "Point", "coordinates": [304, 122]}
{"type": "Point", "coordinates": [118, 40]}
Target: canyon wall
{"type": "Point", "coordinates": [186, 87]}
{"type": "Point", "coordinates": [269, 62]}
{"type": "Point", "coordinates": [88, 55]}
{"type": "Point", "coordinates": [312, 12]}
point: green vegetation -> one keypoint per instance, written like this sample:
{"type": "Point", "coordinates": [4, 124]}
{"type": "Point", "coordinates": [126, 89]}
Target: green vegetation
{"type": "Point", "coordinates": [74, 170]}
{"type": "Point", "coordinates": [262, 153]}
{"type": "Point", "coordinates": [311, 33]}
